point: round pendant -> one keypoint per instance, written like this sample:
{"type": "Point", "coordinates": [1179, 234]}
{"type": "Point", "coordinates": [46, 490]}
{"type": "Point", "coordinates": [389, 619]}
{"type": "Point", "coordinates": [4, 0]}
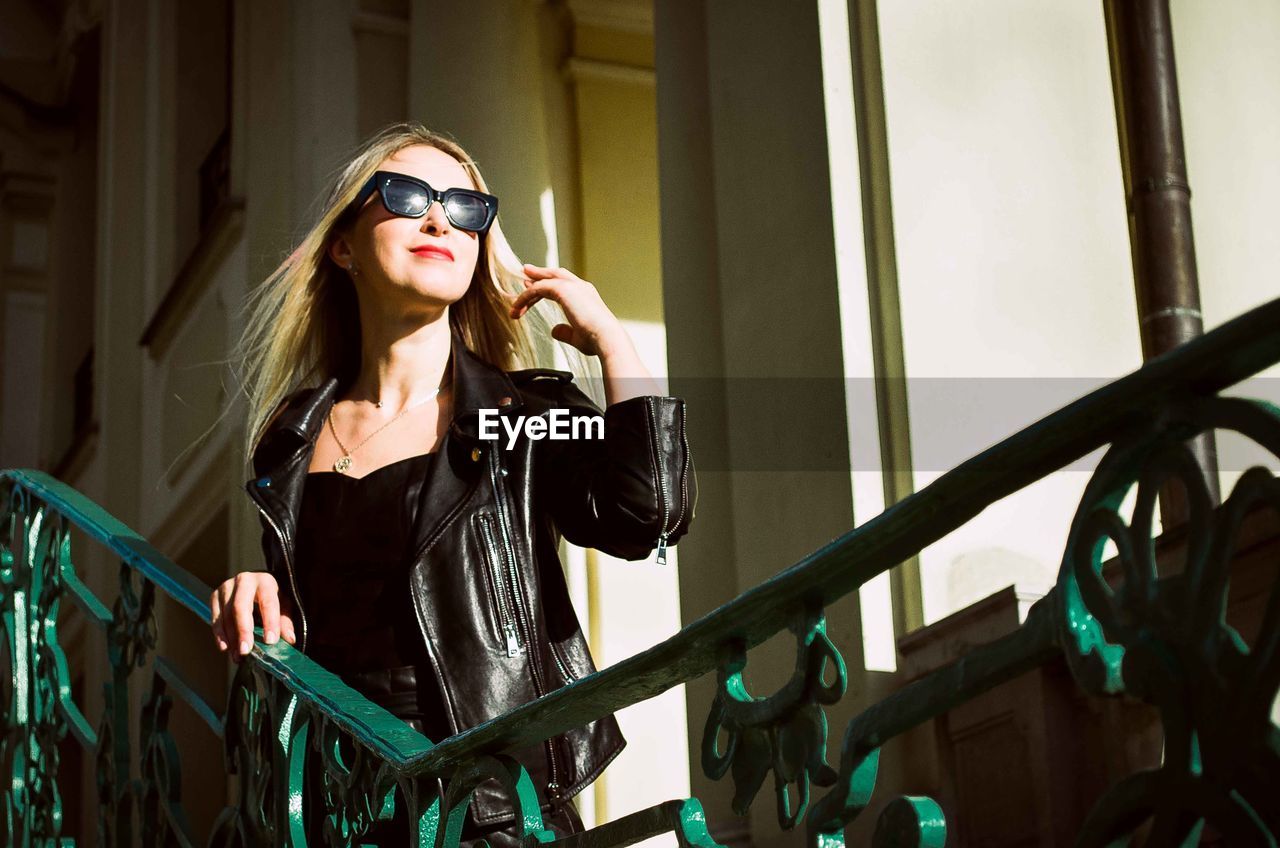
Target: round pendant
{"type": "Point", "coordinates": [342, 464]}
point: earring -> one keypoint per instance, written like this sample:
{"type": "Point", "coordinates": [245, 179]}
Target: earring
{"type": "Point", "coordinates": [355, 272]}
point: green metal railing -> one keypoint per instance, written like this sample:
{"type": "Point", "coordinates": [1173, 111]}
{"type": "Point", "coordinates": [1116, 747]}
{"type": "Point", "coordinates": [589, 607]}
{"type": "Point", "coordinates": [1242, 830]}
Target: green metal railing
{"type": "Point", "coordinates": [1161, 639]}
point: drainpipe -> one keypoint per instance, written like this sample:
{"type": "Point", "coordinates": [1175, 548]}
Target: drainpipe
{"type": "Point", "coordinates": [1149, 120]}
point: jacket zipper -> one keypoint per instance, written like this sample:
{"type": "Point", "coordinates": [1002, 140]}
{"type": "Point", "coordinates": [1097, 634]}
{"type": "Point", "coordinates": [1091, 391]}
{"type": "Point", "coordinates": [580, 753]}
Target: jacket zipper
{"type": "Point", "coordinates": [417, 555]}
{"type": "Point", "coordinates": [503, 592]}
{"type": "Point", "coordinates": [288, 564]}
{"type": "Point", "coordinates": [568, 675]}
{"type": "Point", "coordinates": [667, 528]}
{"type": "Point", "coordinates": [553, 786]}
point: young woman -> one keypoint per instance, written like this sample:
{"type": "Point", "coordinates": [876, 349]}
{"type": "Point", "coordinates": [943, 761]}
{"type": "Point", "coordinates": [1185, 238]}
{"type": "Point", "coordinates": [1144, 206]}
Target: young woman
{"type": "Point", "coordinates": [406, 549]}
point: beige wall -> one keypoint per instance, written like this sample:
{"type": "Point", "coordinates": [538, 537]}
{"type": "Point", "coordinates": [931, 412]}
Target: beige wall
{"type": "Point", "coordinates": [1013, 257]}
{"type": "Point", "coordinates": [1229, 79]}
{"type": "Point", "coordinates": [634, 604]}
{"type": "Point", "coordinates": [618, 147]}
{"type": "Point", "coordinates": [1017, 294]}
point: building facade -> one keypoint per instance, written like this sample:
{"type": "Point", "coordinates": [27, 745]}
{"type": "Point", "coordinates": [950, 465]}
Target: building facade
{"type": "Point", "coordinates": [864, 242]}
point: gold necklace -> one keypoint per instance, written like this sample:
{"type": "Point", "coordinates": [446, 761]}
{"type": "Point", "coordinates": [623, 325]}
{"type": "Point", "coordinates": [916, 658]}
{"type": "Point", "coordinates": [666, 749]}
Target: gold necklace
{"type": "Point", "coordinates": [343, 464]}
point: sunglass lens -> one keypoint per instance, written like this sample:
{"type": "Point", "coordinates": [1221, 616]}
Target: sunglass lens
{"type": "Point", "coordinates": [466, 211]}
{"type": "Point", "coordinates": [405, 198]}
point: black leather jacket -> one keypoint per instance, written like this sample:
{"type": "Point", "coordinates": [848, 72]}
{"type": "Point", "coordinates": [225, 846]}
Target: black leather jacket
{"type": "Point", "coordinates": [487, 584]}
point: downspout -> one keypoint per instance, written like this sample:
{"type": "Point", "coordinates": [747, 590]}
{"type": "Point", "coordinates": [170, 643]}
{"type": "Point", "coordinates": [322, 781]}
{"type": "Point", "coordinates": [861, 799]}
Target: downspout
{"type": "Point", "coordinates": [1158, 197]}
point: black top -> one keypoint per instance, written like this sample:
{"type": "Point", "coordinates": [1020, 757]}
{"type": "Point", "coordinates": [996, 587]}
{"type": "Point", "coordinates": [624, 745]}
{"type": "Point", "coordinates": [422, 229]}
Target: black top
{"type": "Point", "coordinates": [354, 536]}
{"type": "Point", "coordinates": [353, 566]}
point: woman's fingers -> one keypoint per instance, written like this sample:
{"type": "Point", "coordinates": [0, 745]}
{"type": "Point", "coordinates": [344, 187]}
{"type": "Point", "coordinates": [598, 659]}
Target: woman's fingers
{"type": "Point", "coordinates": [591, 327]}
{"type": "Point", "coordinates": [269, 607]}
{"type": "Point", "coordinates": [562, 333]}
{"type": "Point", "coordinates": [286, 629]}
{"type": "Point", "coordinates": [226, 617]}
{"type": "Point", "coordinates": [241, 635]}
{"type": "Point", "coordinates": [215, 618]}
{"type": "Point", "coordinates": [231, 612]}
{"type": "Point", "coordinates": [531, 295]}
{"type": "Point", "coordinates": [540, 272]}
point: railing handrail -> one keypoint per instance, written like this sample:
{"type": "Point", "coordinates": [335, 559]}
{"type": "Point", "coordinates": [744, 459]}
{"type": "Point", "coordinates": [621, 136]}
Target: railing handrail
{"type": "Point", "coordinates": [1222, 357]}
{"type": "Point", "coordinates": [390, 737]}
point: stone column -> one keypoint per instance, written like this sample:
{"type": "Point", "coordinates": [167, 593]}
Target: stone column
{"type": "Point", "coordinates": [753, 323]}
{"type": "Point", "coordinates": [114, 478]}
{"type": "Point", "coordinates": [28, 363]}
{"type": "Point", "coordinates": [293, 127]}
{"type": "Point", "coordinates": [487, 73]}
{"type": "Point", "coordinates": [122, 259]}
{"type": "Point", "coordinates": [300, 120]}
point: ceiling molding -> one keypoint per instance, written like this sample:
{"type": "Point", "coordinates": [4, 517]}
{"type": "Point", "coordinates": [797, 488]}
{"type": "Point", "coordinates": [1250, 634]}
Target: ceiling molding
{"type": "Point", "coordinates": [577, 69]}
{"type": "Point", "coordinates": [42, 84]}
{"type": "Point", "coordinates": [27, 193]}
{"type": "Point", "coordinates": [633, 16]}
{"type": "Point", "coordinates": [378, 23]}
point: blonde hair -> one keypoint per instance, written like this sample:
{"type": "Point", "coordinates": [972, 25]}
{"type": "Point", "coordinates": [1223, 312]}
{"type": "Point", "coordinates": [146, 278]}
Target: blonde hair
{"type": "Point", "coordinates": [302, 322]}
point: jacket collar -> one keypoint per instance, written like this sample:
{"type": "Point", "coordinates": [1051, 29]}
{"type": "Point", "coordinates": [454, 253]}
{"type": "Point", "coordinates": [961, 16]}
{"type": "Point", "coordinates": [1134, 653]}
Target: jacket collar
{"type": "Point", "coordinates": [477, 385]}
{"type": "Point", "coordinates": [284, 452]}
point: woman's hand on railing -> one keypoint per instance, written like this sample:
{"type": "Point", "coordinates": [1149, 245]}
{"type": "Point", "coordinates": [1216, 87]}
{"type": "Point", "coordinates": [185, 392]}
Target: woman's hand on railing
{"type": "Point", "coordinates": [231, 607]}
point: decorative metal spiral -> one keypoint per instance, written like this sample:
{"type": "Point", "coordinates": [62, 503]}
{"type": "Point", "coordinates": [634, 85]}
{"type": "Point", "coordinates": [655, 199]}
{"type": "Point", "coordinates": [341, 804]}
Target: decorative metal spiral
{"type": "Point", "coordinates": [785, 733]}
{"type": "Point", "coordinates": [1165, 640]}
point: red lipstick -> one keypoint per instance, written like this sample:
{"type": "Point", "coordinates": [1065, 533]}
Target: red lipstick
{"type": "Point", "coordinates": [433, 250]}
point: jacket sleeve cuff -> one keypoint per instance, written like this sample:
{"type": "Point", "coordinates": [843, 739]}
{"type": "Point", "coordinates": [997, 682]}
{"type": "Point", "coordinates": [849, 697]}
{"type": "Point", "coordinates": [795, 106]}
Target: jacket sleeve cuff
{"type": "Point", "coordinates": [657, 424]}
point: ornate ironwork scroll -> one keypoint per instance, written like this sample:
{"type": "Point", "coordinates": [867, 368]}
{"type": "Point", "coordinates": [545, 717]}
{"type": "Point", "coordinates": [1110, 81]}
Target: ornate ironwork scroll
{"type": "Point", "coordinates": [1159, 637]}
{"type": "Point", "coordinates": [160, 796]}
{"type": "Point", "coordinates": [514, 780]}
{"type": "Point", "coordinates": [785, 733]}
{"type": "Point", "coordinates": [905, 822]}
{"type": "Point", "coordinates": [113, 815]}
{"type": "Point", "coordinates": [33, 547]}
{"type": "Point", "coordinates": [1164, 637]}
{"type": "Point", "coordinates": [260, 735]}
{"type": "Point", "coordinates": [131, 636]}
{"type": "Point", "coordinates": [353, 781]}
{"type": "Point", "coordinates": [303, 778]}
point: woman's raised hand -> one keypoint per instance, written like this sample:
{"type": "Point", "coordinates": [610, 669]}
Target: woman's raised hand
{"type": "Point", "coordinates": [232, 613]}
{"type": "Point", "coordinates": [592, 328]}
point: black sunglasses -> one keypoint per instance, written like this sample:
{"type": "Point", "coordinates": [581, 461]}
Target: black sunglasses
{"type": "Point", "coordinates": [410, 197]}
